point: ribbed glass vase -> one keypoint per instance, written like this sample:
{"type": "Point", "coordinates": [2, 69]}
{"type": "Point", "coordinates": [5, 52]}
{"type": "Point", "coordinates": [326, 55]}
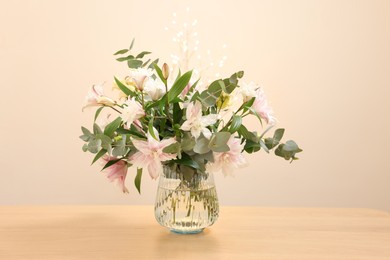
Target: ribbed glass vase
{"type": "Point", "coordinates": [186, 201]}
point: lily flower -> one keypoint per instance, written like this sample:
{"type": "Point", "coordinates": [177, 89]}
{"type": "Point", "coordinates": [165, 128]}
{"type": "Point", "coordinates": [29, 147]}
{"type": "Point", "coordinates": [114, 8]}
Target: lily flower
{"type": "Point", "coordinates": [116, 172]}
{"type": "Point", "coordinates": [154, 88]}
{"type": "Point", "coordinates": [132, 110]}
{"type": "Point", "coordinates": [196, 123]}
{"type": "Point", "coordinates": [260, 105]}
{"type": "Point", "coordinates": [96, 97]}
{"type": "Point", "coordinates": [248, 90]}
{"type": "Point", "coordinates": [227, 161]}
{"type": "Point", "coordinates": [139, 76]}
{"type": "Point", "coordinates": [150, 154]}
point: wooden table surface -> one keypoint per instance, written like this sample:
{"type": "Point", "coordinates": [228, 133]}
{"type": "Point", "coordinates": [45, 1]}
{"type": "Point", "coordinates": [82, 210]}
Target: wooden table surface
{"type": "Point", "coordinates": [130, 232]}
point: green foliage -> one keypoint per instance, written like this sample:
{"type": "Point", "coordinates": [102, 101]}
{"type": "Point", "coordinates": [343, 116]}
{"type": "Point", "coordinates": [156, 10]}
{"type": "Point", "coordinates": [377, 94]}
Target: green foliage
{"type": "Point", "coordinates": [124, 89]}
{"type": "Point", "coordinates": [288, 150]}
{"type": "Point", "coordinates": [179, 86]}
{"type": "Point", "coordinates": [137, 180]}
{"type": "Point", "coordinates": [112, 127]}
{"type": "Point", "coordinates": [218, 142]}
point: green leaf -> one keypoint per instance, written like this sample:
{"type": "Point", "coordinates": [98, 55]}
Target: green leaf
{"type": "Point", "coordinates": [274, 141]}
{"type": "Point", "coordinates": [177, 113]}
{"type": "Point", "coordinates": [132, 44]}
{"type": "Point", "coordinates": [129, 57]}
{"type": "Point", "coordinates": [96, 129]}
{"type": "Point", "coordinates": [109, 163]}
{"type": "Point", "coordinates": [243, 131]}
{"type": "Point", "coordinates": [85, 147]}
{"type": "Point", "coordinates": [99, 155]}
{"type": "Point", "coordinates": [129, 132]}
{"type": "Point", "coordinates": [133, 64]}
{"type": "Point", "coordinates": [98, 113]}
{"type": "Point", "coordinates": [278, 135]}
{"type": "Point", "coordinates": [159, 73]}
{"type": "Point", "coordinates": [142, 54]}
{"type": "Point", "coordinates": [137, 180]}
{"type": "Point", "coordinates": [106, 141]}
{"type": "Point", "coordinates": [85, 138]}
{"type": "Point", "coordinates": [179, 85]}
{"type": "Point", "coordinates": [209, 96]}
{"type": "Point", "coordinates": [218, 142]}
{"type": "Point", "coordinates": [236, 123]}
{"type": "Point", "coordinates": [124, 89]}
{"type": "Point", "coordinates": [123, 51]}
{"type": "Point", "coordinates": [202, 145]}
{"type": "Point", "coordinates": [187, 142]}
{"type": "Point", "coordinates": [94, 145]}
{"type": "Point", "coordinates": [251, 147]}
{"type": "Point", "coordinates": [173, 148]}
{"type": "Point", "coordinates": [240, 74]}
{"type": "Point", "coordinates": [85, 131]}
{"type": "Point", "coordinates": [112, 127]}
{"type": "Point", "coordinates": [288, 150]}
{"type": "Point", "coordinates": [151, 128]}
{"type": "Point", "coordinates": [151, 66]}
{"type": "Point", "coordinates": [188, 161]}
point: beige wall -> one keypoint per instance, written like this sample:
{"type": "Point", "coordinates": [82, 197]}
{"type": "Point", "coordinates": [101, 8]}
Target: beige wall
{"type": "Point", "coordinates": [325, 66]}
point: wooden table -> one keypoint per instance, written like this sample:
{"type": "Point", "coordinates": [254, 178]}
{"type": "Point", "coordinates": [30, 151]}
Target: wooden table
{"type": "Point", "coordinates": [130, 232]}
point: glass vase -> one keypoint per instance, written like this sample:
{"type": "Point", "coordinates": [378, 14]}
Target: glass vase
{"type": "Point", "coordinates": [186, 201]}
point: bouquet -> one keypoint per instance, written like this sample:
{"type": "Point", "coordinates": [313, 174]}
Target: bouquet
{"type": "Point", "coordinates": [160, 119]}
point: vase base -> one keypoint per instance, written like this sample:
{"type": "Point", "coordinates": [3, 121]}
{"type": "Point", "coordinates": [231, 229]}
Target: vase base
{"type": "Point", "coordinates": [185, 232]}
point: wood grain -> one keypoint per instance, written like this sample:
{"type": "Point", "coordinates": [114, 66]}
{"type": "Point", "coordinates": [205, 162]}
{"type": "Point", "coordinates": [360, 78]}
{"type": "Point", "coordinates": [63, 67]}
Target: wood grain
{"type": "Point", "coordinates": [130, 232]}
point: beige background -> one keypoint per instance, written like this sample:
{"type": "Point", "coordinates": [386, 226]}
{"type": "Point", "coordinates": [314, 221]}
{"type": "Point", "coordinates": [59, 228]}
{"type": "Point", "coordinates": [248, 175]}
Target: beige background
{"type": "Point", "coordinates": [325, 66]}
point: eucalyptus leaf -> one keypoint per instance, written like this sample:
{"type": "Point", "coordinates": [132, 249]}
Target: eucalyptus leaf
{"type": "Point", "coordinates": [133, 64]}
{"type": "Point", "coordinates": [218, 142]}
{"type": "Point", "coordinates": [96, 129]}
{"type": "Point", "coordinates": [94, 145]}
{"type": "Point", "coordinates": [123, 51]}
{"type": "Point", "coordinates": [201, 145]}
{"type": "Point", "coordinates": [132, 44]}
{"type": "Point", "coordinates": [142, 54]}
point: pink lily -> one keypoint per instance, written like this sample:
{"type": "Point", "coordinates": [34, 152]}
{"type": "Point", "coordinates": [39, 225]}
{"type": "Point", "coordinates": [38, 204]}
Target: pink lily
{"type": "Point", "coordinates": [260, 105]}
{"type": "Point", "coordinates": [150, 154]}
{"type": "Point", "coordinates": [227, 161]}
{"type": "Point", "coordinates": [96, 97]}
{"type": "Point", "coordinates": [117, 171]}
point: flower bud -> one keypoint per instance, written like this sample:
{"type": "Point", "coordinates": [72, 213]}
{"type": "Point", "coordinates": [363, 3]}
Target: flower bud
{"type": "Point", "coordinates": [165, 71]}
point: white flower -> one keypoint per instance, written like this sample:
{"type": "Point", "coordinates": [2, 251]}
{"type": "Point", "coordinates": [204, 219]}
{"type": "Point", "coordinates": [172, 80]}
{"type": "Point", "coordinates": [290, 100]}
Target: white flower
{"type": "Point", "coordinates": [154, 88]}
{"type": "Point", "coordinates": [248, 91]}
{"type": "Point", "coordinates": [260, 105]}
{"type": "Point", "coordinates": [96, 97]}
{"type": "Point", "coordinates": [226, 162]}
{"type": "Point", "coordinates": [139, 76]}
{"type": "Point", "coordinates": [132, 111]}
{"type": "Point", "coordinates": [196, 123]}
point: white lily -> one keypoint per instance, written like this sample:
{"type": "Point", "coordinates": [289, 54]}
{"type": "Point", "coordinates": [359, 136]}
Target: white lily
{"type": "Point", "coordinates": [196, 123]}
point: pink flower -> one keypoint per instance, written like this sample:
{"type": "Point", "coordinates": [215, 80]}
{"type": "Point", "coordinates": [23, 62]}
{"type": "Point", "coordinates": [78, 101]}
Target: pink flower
{"type": "Point", "coordinates": [96, 97]}
{"type": "Point", "coordinates": [132, 110]}
{"type": "Point", "coordinates": [196, 123]}
{"type": "Point", "coordinates": [117, 171]}
{"type": "Point", "coordinates": [227, 161]}
{"type": "Point", "coordinates": [260, 105]}
{"type": "Point", "coordinates": [150, 154]}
